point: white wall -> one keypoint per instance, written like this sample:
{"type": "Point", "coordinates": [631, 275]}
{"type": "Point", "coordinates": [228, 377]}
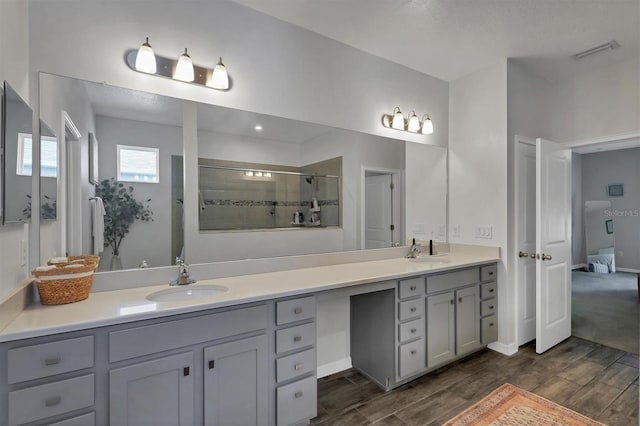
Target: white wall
{"type": "Point", "coordinates": [621, 166]}
{"type": "Point", "coordinates": [600, 103]}
{"type": "Point", "coordinates": [277, 68]}
{"type": "Point", "coordinates": [478, 175]}
{"type": "Point", "coordinates": [14, 67]}
{"type": "Point", "coordinates": [150, 241]}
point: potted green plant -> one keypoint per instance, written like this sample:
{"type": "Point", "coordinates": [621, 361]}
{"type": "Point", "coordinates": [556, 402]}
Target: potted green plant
{"type": "Point", "coordinates": [122, 210]}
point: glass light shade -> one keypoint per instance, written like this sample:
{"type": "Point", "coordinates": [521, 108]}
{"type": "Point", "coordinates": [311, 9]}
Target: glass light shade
{"type": "Point", "coordinates": [184, 69]}
{"type": "Point", "coordinates": [398, 119]}
{"type": "Point", "coordinates": [146, 59]}
{"type": "Point", "coordinates": [427, 126]}
{"type": "Point", "coordinates": [220, 78]}
{"type": "Point", "coordinates": [414, 123]}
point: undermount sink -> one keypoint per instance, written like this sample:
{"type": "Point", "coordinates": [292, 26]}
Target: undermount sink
{"type": "Point", "coordinates": [437, 258]}
{"type": "Point", "coordinates": [188, 292]}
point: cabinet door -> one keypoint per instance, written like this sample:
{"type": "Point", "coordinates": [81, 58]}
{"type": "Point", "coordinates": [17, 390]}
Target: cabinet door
{"type": "Point", "coordinates": [440, 329]}
{"type": "Point", "coordinates": [158, 392]}
{"type": "Point", "coordinates": [235, 383]}
{"type": "Point", "coordinates": [467, 320]}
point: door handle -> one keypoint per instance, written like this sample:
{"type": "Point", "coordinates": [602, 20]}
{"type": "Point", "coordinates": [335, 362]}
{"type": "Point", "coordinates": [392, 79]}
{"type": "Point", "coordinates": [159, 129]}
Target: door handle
{"type": "Point", "coordinates": [523, 254]}
{"type": "Point", "coordinates": [546, 256]}
{"type": "Point", "coordinates": [534, 255]}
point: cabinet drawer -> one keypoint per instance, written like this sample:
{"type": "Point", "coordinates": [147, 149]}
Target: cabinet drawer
{"type": "Point", "coordinates": [48, 400]}
{"type": "Point", "coordinates": [411, 287]}
{"type": "Point", "coordinates": [487, 290]}
{"type": "Point", "coordinates": [295, 365]}
{"type": "Point", "coordinates": [297, 337]}
{"type": "Point", "coordinates": [296, 402]}
{"type": "Point", "coordinates": [489, 326]}
{"type": "Point", "coordinates": [411, 330]}
{"type": "Point", "coordinates": [488, 273]}
{"type": "Point", "coordinates": [176, 334]}
{"type": "Point", "coordinates": [451, 280]}
{"type": "Point", "coordinates": [47, 359]}
{"type": "Point", "coordinates": [84, 420]}
{"type": "Point", "coordinates": [411, 358]}
{"type": "Point", "coordinates": [410, 309]}
{"type": "Point", "coordinates": [488, 307]}
{"type": "Point", "coordinates": [295, 310]}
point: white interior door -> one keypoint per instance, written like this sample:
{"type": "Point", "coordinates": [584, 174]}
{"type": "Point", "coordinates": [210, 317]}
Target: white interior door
{"type": "Point", "coordinates": [525, 227]}
{"type": "Point", "coordinates": [553, 244]}
{"type": "Point", "coordinates": [378, 211]}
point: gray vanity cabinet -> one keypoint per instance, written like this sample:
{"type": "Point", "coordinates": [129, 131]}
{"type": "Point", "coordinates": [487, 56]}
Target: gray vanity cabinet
{"type": "Point", "coordinates": [236, 383]}
{"type": "Point", "coordinates": [467, 320]}
{"type": "Point", "coordinates": [157, 392]}
{"type": "Point", "coordinates": [441, 316]}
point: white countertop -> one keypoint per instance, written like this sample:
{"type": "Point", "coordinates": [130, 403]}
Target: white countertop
{"type": "Point", "coordinates": [121, 306]}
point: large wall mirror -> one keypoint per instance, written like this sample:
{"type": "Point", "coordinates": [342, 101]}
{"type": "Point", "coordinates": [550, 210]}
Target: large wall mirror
{"type": "Point", "coordinates": [263, 186]}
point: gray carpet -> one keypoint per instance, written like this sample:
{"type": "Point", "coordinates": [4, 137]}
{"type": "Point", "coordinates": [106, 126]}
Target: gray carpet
{"type": "Point", "coordinates": [606, 309]}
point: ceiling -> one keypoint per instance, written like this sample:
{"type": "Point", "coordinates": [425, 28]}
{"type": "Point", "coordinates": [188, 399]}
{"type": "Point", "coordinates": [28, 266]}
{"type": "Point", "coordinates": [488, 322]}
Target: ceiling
{"type": "Point", "coordinates": [117, 102]}
{"type": "Point", "coordinates": [449, 39]}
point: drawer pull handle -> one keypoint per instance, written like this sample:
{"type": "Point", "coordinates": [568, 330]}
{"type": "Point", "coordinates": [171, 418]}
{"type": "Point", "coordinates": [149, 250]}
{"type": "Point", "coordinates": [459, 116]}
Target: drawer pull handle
{"type": "Point", "coordinates": [52, 361]}
{"type": "Point", "coordinates": [413, 330]}
{"type": "Point", "coordinates": [491, 307]}
{"type": "Point", "coordinates": [186, 371]}
{"type": "Point", "coordinates": [52, 402]}
{"type": "Point", "coordinates": [212, 364]}
{"type": "Point", "coordinates": [491, 290]}
{"type": "Point", "coordinates": [297, 394]}
{"type": "Point", "coordinates": [298, 366]}
{"type": "Point", "coordinates": [413, 309]}
{"type": "Point", "coordinates": [297, 311]}
{"type": "Point", "coordinates": [412, 288]}
{"type": "Point", "coordinates": [490, 324]}
{"type": "Point", "coordinates": [413, 351]}
{"type": "Point", "coordinates": [491, 273]}
{"type": "Point", "coordinates": [297, 339]}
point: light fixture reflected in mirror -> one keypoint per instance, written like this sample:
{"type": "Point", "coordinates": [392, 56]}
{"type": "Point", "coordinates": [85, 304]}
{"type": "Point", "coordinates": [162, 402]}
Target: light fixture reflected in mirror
{"type": "Point", "coordinates": [219, 78]}
{"type": "Point", "coordinates": [184, 69]}
{"type": "Point", "coordinates": [412, 124]}
{"type": "Point", "coordinates": [146, 59]}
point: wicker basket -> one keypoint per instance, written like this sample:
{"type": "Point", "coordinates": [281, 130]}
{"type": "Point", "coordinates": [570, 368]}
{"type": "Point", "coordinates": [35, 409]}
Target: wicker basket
{"type": "Point", "coordinates": [65, 283]}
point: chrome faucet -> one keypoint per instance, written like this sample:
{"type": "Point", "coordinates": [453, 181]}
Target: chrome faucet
{"type": "Point", "coordinates": [414, 251]}
{"type": "Point", "coordinates": [183, 273]}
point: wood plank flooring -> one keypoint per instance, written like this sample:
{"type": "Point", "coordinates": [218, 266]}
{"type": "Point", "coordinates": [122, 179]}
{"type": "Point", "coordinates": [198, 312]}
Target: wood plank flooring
{"type": "Point", "coordinates": [595, 380]}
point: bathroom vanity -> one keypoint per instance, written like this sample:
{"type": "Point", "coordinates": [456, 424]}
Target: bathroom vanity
{"type": "Point", "coordinates": [247, 356]}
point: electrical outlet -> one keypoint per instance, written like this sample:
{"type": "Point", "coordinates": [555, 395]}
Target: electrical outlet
{"type": "Point", "coordinates": [485, 231]}
{"type": "Point", "coordinates": [456, 231]}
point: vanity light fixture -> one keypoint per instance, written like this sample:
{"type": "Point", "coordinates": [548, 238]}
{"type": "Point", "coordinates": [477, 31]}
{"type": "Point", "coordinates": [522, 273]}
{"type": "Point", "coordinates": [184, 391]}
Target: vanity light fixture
{"type": "Point", "coordinates": [412, 124]}
{"type": "Point", "coordinates": [184, 69]}
{"type": "Point", "coordinates": [144, 60]}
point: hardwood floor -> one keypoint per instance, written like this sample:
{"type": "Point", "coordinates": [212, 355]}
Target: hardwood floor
{"type": "Point", "coordinates": [595, 380]}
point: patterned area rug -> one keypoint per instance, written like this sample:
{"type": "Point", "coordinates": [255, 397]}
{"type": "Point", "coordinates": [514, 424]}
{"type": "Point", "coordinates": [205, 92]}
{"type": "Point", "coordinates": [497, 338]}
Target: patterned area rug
{"type": "Point", "coordinates": [511, 406]}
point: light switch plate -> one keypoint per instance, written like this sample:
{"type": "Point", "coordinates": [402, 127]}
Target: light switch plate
{"type": "Point", "coordinates": [485, 231]}
{"type": "Point", "coordinates": [418, 229]}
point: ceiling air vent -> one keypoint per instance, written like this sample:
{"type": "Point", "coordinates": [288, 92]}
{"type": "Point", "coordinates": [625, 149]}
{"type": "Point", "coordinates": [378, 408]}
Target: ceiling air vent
{"type": "Point", "coordinates": [597, 49]}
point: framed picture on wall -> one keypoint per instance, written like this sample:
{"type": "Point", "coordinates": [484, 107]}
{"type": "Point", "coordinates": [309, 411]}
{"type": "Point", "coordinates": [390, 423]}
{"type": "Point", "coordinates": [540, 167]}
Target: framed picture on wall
{"type": "Point", "coordinates": [616, 190]}
{"type": "Point", "coordinates": [93, 159]}
{"type": "Point", "coordinates": [609, 225]}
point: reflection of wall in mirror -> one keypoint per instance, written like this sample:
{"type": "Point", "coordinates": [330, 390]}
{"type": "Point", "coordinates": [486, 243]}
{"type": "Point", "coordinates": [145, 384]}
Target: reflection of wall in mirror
{"type": "Point", "coordinates": [17, 187]}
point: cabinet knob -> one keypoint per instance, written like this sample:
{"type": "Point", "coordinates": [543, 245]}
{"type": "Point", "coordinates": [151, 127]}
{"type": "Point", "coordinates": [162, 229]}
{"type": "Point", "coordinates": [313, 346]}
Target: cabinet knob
{"type": "Point", "coordinates": [212, 364]}
{"type": "Point", "coordinates": [490, 324]}
{"type": "Point", "coordinates": [52, 361]}
{"type": "Point", "coordinates": [491, 307]}
{"type": "Point", "coordinates": [459, 299]}
{"type": "Point", "coordinates": [297, 394]}
{"type": "Point", "coordinates": [491, 290]}
{"type": "Point", "coordinates": [413, 309]}
{"type": "Point", "coordinates": [298, 366]}
{"type": "Point", "coordinates": [412, 288]}
{"type": "Point", "coordinates": [413, 330]}
{"type": "Point", "coordinates": [451, 301]}
{"type": "Point", "coordinates": [53, 401]}
{"type": "Point", "coordinates": [186, 371]}
{"type": "Point", "coordinates": [297, 339]}
{"type": "Point", "coordinates": [491, 273]}
{"type": "Point", "coordinates": [413, 351]}
{"type": "Point", "coordinates": [297, 311]}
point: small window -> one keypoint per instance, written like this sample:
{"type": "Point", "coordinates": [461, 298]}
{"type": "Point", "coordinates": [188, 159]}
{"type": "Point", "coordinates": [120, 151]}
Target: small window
{"type": "Point", "coordinates": [48, 156]}
{"type": "Point", "coordinates": [138, 164]}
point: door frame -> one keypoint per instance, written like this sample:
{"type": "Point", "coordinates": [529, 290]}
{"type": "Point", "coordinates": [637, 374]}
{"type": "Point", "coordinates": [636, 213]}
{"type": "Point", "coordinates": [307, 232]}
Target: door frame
{"type": "Point", "coordinates": [398, 211]}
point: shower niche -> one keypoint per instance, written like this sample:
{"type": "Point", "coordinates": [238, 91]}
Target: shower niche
{"type": "Point", "coordinates": [237, 196]}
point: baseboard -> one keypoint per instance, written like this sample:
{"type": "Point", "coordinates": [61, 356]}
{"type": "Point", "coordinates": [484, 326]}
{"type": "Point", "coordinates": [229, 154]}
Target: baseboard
{"type": "Point", "coordinates": [635, 271]}
{"type": "Point", "coordinates": [334, 367]}
{"type": "Point", "coordinates": [579, 266]}
{"type": "Point", "coordinates": [505, 349]}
